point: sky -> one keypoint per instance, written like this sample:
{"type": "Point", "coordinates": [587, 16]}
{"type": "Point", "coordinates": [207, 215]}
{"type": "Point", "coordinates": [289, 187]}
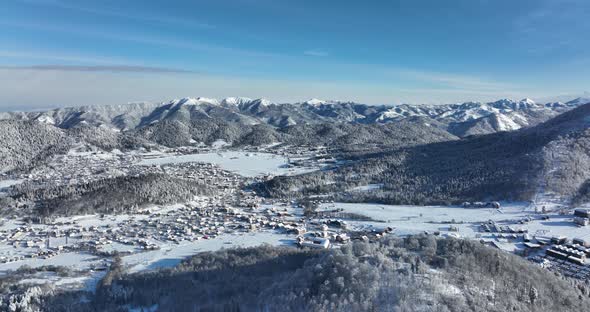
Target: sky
{"type": "Point", "coordinates": [79, 52]}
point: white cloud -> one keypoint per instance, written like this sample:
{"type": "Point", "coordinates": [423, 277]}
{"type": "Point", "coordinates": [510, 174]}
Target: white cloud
{"type": "Point", "coordinates": [316, 52]}
{"type": "Point", "coordinates": [98, 11]}
{"type": "Point", "coordinates": [99, 68]}
{"type": "Point", "coordinates": [138, 38]}
{"type": "Point", "coordinates": [60, 57]}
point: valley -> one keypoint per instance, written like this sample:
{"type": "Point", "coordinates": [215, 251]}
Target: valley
{"type": "Point", "coordinates": [144, 203]}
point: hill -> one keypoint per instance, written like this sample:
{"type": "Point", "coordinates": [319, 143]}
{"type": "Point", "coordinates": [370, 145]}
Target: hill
{"type": "Point", "coordinates": [417, 273]}
{"type": "Point", "coordinates": [25, 143]}
{"type": "Point", "coordinates": [552, 156]}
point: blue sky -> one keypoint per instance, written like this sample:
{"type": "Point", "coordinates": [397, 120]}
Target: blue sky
{"type": "Point", "coordinates": [74, 52]}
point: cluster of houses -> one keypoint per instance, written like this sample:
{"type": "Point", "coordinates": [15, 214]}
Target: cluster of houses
{"type": "Point", "coordinates": [571, 254]}
{"type": "Point", "coordinates": [203, 218]}
{"type": "Point", "coordinates": [492, 204]}
{"type": "Point", "coordinates": [493, 227]}
{"type": "Point", "coordinates": [36, 240]}
{"type": "Point", "coordinates": [230, 210]}
{"type": "Point", "coordinates": [82, 167]}
{"type": "Point", "coordinates": [235, 211]}
{"type": "Point", "coordinates": [556, 252]}
{"type": "Point", "coordinates": [567, 257]}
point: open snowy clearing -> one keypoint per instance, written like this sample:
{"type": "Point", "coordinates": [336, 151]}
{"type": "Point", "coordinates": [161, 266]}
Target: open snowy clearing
{"type": "Point", "coordinates": [5, 184]}
{"type": "Point", "coordinates": [8, 183]}
{"type": "Point", "coordinates": [72, 260]}
{"type": "Point", "coordinates": [171, 254]}
{"type": "Point", "coordinates": [249, 164]}
{"type": "Point", "coordinates": [416, 219]}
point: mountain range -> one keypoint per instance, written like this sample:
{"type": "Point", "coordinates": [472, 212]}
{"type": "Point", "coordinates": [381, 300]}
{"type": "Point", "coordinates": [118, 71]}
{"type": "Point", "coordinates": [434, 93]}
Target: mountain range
{"type": "Point", "coordinates": [418, 153]}
{"type": "Point", "coordinates": [459, 119]}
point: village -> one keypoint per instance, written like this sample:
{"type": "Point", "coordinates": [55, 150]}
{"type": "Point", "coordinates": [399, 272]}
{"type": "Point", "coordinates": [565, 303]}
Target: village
{"type": "Point", "coordinates": [231, 211]}
{"type": "Point", "coordinates": [555, 238]}
{"type": "Point", "coordinates": [223, 219]}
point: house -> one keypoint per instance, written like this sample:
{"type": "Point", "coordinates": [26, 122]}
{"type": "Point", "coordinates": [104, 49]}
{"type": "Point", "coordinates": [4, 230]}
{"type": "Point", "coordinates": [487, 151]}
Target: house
{"type": "Point", "coordinates": [581, 221]}
{"type": "Point", "coordinates": [316, 242]}
{"type": "Point", "coordinates": [567, 253]}
{"type": "Point", "coordinates": [532, 245]}
{"type": "Point", "coordinates": [526, 237]}
{"type": "Point", "coordinates": [493, 204]}
{"type": "Point", "coordinates": [581, 242]}
{"type": "Point", "coordinates": [582, 213]}
{"type": "Point", "coordinates": [558, 240]}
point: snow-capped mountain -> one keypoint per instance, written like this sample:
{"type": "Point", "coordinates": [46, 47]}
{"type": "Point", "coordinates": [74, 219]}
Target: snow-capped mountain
{"type": "Point", "coordinates": [315, 102]}
{"type": "Point", "coordinates": [460, 119]}
{"type": "Point", "coordinates": [235, 101]}
{"type": "Point", "coordinates": [194, 101]}
{"type": "Point", "coordinates": [479, 118]}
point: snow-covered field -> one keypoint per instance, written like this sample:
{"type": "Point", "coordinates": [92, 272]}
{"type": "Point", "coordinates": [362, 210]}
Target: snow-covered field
{"type": "Point", "coordinates": [416, 219]}
{"type": "Point", "coordinates": [249, 164]}
{"type": "Point", "coordinates": [72, 260]}
{"type": "Point", "coordinates": [5, 184]}
{"type": "Point", "coordinates": [171, 254]}
{"type": "Point", "coordinates": [367, 188]}
{"type": "Point", "coordinates": [8, 183]}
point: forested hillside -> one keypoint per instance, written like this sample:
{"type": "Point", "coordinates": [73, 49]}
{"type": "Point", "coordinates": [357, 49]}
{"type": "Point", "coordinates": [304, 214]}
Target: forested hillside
{"type": "Point", "coordinates": [25, 143]}
{"type": "Point", "coordinates": [115, 195]}
{"type": "Point", "coordinates": [337, 135]}
{"type": "Point", "coordinates": [506, 165]}
{"type": "Point", "coordinates": [417, 273]}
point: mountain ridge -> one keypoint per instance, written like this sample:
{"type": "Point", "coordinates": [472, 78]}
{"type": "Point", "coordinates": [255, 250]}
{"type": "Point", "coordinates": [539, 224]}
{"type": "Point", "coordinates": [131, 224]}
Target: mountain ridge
{"type": "Point", "coordinates": [553, 156]}
{"type": "Point", "coordinates": [459, 119]}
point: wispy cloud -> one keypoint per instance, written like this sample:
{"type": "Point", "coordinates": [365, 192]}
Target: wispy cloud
{"type": "Point", "coordinates": [99, 68]}
{"type": "Point", "coordinates": [113, 13]}
{"type": "Point", "coordinates": [138, 38]}
{"type": "Point", "coordinates": [61, 57]}
{"type": "Point", "coordinates": [456, 81]}
{"type": "Point", "coordinates": [316, 52]}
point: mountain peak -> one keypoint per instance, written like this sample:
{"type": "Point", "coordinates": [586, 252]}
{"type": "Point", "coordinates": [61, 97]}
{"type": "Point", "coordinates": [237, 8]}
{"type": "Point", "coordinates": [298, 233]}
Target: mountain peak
{"type": "Point", "coordinates": [194, 101]}
{"type": "Point", "coordinates": [315, 101]}
{"type": "Point", "coordinates": [528, 101]}
{"type": "Point", "coordinates": [262, 102]}
{"type": "Point", "coordinates": [236, 100]}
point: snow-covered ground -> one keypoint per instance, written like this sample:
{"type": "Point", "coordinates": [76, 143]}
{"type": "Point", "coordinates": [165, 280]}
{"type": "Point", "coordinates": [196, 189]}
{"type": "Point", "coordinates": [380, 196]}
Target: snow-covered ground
{"type": "Point", "coordinates": [72, 260]}
{"type": "Point", "coordinates": [5, 184]}
{"type": "Point", "coordinates": [249, 164]}
{"type": "Point", "coordinates": [367, 188]}
{"type": "Point", "coordinates": [416, 219]}
{"type": "Point", "coordinates": [171, 254]}
{"type": "Point", "coordinates": [82, 264]}
{"type": "Point", "coordinates": [8, 183]}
